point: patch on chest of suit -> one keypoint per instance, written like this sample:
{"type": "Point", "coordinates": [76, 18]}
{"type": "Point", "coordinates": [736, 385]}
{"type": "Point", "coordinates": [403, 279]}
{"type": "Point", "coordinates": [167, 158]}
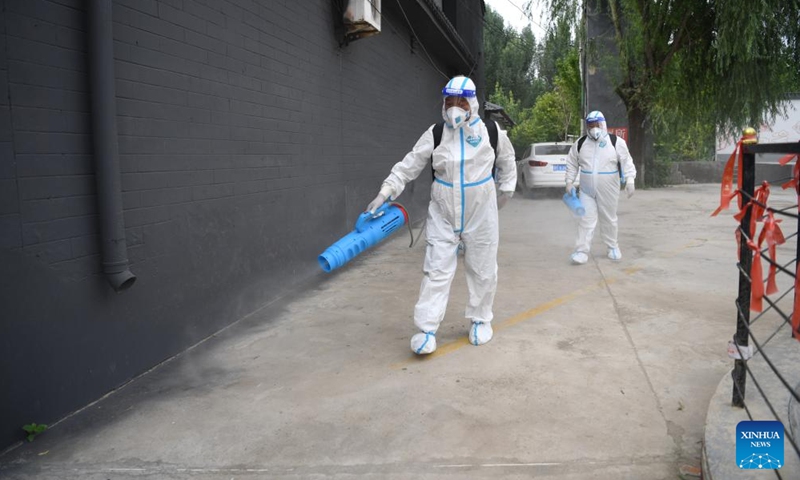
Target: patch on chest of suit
{"type": "Point", "coordinates": [474, 140]}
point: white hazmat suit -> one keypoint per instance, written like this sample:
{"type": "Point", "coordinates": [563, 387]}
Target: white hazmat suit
{"type": "Point", "coordinates": [462, 213]}
{"type": "Point", "coordinates": [597, 165]}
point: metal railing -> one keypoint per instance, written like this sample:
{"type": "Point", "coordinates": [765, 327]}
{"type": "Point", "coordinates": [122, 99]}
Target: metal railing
{"type": "Point", "coordinates": [782, 306]}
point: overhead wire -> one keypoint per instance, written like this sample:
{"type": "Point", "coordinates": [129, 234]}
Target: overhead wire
{"type": "Point", "coordinates": [429, 60]}
{"type": "Point", "coordinates": [421, 44]}
{"type": "Point", "coordinates": [527, 15]}
{"type": "Point", "coordinates": [513, 41]}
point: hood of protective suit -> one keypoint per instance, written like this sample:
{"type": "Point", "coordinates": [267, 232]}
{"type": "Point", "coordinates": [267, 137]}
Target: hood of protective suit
{"type": "Point", "coordinates": [461, 87]}
{"type": "Point", "coordinates": [597, 116]}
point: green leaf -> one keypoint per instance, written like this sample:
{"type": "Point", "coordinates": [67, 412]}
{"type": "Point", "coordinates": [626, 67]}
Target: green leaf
{"type": "Point", "coordinates": [34, 429]}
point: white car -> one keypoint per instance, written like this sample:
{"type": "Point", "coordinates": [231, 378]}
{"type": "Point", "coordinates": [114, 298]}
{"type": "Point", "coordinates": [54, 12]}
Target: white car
{"type": "Point", "coordinates": [543, 165]}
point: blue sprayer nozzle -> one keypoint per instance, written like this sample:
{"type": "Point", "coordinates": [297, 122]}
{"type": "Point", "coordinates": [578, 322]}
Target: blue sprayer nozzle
{"type": "Point", "coordinates": [572, 201]}
{"type": "Point", "coordinates": [370, 229]}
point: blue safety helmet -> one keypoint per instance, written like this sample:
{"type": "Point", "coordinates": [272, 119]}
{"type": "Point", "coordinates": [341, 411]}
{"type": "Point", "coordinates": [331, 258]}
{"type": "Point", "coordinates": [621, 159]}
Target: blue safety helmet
{"type": "Point", "coordinates": [459, 87]}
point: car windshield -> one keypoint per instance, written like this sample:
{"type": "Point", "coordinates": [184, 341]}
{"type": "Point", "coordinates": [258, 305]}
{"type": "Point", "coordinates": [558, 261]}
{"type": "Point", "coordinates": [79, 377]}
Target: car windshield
{"type": "Point", "coordinates": [552, 149]}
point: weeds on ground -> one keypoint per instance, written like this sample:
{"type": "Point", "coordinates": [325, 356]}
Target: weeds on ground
{"type": "Point", "coordinates": [34, 429]}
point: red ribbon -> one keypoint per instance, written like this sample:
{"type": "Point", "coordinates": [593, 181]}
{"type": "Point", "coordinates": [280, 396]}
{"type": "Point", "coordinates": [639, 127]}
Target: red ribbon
{"type": "Point", "coordinates": [727, 193]}
{"type": "Point", "coordinates": [756, 205]}
{"type": "Point", "coordinates": [771, 232]}
{"type": "Point", "coordinates": [795, 181]}
{"type": "Point", "coordinates": [756, 279]}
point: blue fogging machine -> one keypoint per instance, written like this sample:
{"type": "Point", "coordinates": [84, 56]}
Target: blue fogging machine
{"type": "Point", "coordinates": [572, 201]}
{"type": "Point", "coordinates": [370, 230]}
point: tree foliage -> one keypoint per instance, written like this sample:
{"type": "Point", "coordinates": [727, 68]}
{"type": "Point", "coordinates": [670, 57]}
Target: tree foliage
{"type": "Point", "coordinates": [688, 142]}
{"type": "Point", "coordinates": [724, 63]}
{"type": "Point", "coordinates": [510, 59]}
{"type": "Point", "coordinates": [558, 42]}
{"type": "Point", "coordinates": [511, 105]}
{"type": "Point", "coordinates": [557, 115]}
{"type": "Point", "coordinates": [538, 85]}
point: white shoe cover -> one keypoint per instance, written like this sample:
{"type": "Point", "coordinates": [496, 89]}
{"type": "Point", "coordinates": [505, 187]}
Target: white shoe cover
{"type": "Point", "coordinates": [614, 254]}
{"type": "Point", "coordinates": [579, 258]}
{"type": "Point", "coordinates": [480, 333]}
{"type": "Point", "coordinates": [423, 343]}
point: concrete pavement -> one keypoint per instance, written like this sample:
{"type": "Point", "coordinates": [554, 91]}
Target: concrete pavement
{"type": "Point", "coordinates": [601, 371]}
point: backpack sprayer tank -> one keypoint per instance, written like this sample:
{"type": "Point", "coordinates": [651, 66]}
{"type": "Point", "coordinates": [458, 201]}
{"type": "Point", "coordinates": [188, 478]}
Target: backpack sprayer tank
{"type": "Point", "coordinates": [369, 231]}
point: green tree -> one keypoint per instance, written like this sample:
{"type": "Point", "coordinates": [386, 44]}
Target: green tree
{"type": "Point", "coordinates": [518, 133]}
{"type": "Point", "coordinates": [557, 113]}
{"type": "Point", "coordinates": [510, 104]}
{"type": "Point", "coordinates": [558, 42]}
{"type": "Point", "coordinates": [682, 62]}
{"type": "Point", "coordinates": [525, 132]}
{"type": "Point", "coordinates": [509, 59]}
{"type": "Point", "coordinates": [539, 86]}
{"type": "Point", "coordinates": [685, 142]}
{"type": "Point", "coordinates": [495, 37]}
{"type": "Point", "coordinates": [568, 88]}
{"type": "Point", "coordinates": [548, 118]}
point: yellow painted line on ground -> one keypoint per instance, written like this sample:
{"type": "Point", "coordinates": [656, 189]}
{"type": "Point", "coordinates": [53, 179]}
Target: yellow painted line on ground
{"type": "Point", "coordinates": [444, 349]}
{"type": "Point", "coordinates": [521, 317]}
{"type": "Point", "coordinates": [697, 242]}
{"type": "Point", "coordinates": [449, 347]}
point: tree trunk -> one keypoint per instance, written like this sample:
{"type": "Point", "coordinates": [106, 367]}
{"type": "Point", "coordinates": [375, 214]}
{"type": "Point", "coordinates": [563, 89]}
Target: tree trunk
{"type": "Point", "coordinates": [640, 144]}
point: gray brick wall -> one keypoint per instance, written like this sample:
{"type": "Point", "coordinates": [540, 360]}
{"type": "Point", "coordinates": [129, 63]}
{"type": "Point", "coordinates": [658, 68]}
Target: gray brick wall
{"type": "Point", "coordinates": [10, 229]}
{"type": "Point", "coordinates": [248, 141]}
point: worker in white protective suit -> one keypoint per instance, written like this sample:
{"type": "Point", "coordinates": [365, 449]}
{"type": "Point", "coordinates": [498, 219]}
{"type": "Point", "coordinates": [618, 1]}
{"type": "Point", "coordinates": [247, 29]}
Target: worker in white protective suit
{"type": "Point", "coordinates": [462, 212]}
{"type": "Point", "coordinates": [599, 159]}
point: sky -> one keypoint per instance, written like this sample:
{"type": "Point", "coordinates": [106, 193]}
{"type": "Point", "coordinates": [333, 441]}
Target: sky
{"type": "Point", "coordinates": [511, 11]}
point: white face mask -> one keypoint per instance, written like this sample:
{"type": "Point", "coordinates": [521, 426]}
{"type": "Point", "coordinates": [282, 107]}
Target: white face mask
{"type": "Point", "coordinates": [595, 133]}
{"type": "Point", "coordinates": [457, 116]}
